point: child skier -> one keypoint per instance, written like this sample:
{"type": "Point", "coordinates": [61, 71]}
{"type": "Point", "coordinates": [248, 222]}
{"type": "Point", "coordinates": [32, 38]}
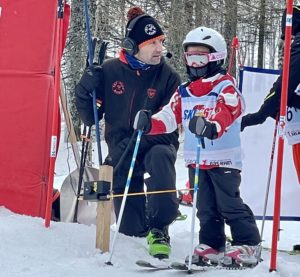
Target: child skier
{"type": "Point", "coordinates": [209, 106]}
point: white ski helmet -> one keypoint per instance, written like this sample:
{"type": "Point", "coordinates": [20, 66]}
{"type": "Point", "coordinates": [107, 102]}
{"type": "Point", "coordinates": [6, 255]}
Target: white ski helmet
{"type": "Point", "coordinates": [206, 37]}
{"type": "Point", "coordinates": [215, 42]}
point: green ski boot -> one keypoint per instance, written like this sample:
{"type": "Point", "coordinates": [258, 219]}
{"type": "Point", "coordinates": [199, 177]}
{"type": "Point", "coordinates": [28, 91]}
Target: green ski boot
{"type": "Point", "coordinates": [159, 244]}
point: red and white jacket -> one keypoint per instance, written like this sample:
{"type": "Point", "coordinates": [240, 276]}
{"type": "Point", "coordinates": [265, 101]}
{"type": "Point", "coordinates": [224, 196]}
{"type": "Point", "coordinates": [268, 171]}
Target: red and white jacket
{"type": "Point", "coordinates": [220, 102]}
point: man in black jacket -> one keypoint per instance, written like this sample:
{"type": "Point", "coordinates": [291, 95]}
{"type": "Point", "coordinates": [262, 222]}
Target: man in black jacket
{"type": "Point", "coordinates": [271, 105]}
{"type": "Point", "coordinates": [138, 79]}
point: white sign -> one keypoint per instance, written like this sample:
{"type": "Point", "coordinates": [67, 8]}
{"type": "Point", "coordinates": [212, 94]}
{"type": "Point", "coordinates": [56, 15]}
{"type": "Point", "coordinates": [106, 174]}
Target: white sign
{"type": "Point", "coordinates": [257, 144]}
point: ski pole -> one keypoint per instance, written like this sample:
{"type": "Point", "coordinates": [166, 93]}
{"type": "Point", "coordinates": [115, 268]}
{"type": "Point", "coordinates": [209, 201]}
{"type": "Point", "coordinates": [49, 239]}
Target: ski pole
{"type": "Point", "coordinates": [86, 139]}
{"type": "Point", "coordinates": [269, 178]}
{"type": "Point", "coordinates": [84, 151]}
{"type": "Point", "coordinates": [91, 58]}
{"type": "Point", "coordinates": [196, 181]}
{"type": "Point", "coordinates": [124, 155]}
{"type": "Point", "coordinates": [137, 144]}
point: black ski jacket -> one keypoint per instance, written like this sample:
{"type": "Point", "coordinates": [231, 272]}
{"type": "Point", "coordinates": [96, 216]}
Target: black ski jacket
{"type": "Point", "coordinates": [122, 94]}
{"type": "Point", "coordinates": [271, 105]}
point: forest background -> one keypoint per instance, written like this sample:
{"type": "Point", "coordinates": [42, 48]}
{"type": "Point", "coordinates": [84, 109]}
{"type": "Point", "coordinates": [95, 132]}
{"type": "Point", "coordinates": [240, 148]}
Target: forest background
{"type": "Point", "coordinates": [256, 23]}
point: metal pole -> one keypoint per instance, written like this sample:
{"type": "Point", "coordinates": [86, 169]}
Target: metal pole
{"type": "Point", "coordinates": [137, 144]}
{"type": "Point", "coordinates": [91, 58]}
{"type": "Point", "coordinates": [282, 119]}
{"type": "Point", "coordinates": [269, 178]}
{"type": "Point", "coordinates": [196, 181]}
{"type": "Point", "coordinates": [54, 128]}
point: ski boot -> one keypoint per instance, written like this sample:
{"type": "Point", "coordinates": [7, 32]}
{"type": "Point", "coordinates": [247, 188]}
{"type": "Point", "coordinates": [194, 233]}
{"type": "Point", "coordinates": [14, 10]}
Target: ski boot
{"type": "Point", "coordinates": [159, 243]}
{"type": "Point", "coordinates": [204, 255]}
{"type": "Point", "coordinates": [242, 256]}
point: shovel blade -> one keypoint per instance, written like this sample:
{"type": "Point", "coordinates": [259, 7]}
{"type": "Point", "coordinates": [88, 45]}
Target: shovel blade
{"type": "Point", "coordinates": [86, 210]}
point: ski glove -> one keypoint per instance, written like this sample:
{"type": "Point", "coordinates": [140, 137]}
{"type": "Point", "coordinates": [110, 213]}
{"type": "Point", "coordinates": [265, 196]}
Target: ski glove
{"type": "Point", "coordinates": [91, 79]}
{"type": "Point", "coordinates": [142, 121]}
{"type": "Point", "coordinates": [199, 126]}
{"type": "Point", "coordinates": [244, 122]}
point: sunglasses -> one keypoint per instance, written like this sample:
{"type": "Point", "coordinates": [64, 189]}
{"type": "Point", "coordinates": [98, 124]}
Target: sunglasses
{"type": "Point", "coordinates": [200, 59]}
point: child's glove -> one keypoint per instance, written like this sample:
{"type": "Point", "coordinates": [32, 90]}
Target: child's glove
{"type": "Point", "coordinates": [199, 126]}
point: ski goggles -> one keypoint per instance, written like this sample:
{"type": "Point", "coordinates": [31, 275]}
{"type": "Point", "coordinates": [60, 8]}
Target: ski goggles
{"type": "Point", "coordinates": [200, 59]}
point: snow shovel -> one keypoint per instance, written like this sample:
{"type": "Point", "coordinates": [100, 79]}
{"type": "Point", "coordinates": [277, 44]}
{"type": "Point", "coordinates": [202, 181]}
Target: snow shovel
{"type": "Point", "coordinates": [86, 211]}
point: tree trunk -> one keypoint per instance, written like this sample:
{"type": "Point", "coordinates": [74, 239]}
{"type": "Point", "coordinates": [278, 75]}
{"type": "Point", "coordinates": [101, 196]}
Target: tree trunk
{"type": "Point", "coordinates": [261, 34]}
{"type": "Point", "coordinates": [230, 26]}
{"type": "Point", "coordinates": [74, 59]}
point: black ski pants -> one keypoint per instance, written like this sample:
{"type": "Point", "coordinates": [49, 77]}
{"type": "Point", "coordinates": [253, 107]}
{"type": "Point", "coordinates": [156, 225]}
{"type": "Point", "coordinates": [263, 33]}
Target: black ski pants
{"type": "Point", "coordinates": [219, 202]}
{"type": "Point", "coordinates": [157, 210]}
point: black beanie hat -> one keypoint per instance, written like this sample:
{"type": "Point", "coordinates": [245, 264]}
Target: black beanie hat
{"type": "Point", "coordinates": [145, 29]}
{"type": "Point", "coordinates": [295, 23]}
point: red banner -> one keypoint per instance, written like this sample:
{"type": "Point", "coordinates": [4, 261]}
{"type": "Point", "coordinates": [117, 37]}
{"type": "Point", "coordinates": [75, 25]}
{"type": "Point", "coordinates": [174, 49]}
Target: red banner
{"type": "Point", "coordinates": [27, 66]}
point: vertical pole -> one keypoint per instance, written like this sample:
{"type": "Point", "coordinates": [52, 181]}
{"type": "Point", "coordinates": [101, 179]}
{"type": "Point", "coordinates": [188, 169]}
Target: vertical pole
{"type": "Point", "coordinates": [91, 58]}
{"type": "Point", "coordinates": [104, 212]}
{"type": "Point", "coordinates": [282, 120]}
{"type": "Point", "coordinates": [130, 172]}
{"type": "Point", "coordinates": [234, 47]}
{"type": "Point", "coordinates": [53, 148]}
{"type": "Point", "coordinates": [269, 178]}
{"type": "Point", "coordinates": [196, 184]}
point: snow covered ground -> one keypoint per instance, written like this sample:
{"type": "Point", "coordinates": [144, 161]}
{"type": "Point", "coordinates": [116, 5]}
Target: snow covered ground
{"type": "Point", "coordinates": [27, 248]}
{"type": "Point", "coordinates": [68, 250]}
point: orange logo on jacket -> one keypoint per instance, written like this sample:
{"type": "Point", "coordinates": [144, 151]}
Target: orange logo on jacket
{"type": "Point", "coordinates": [118, 87]}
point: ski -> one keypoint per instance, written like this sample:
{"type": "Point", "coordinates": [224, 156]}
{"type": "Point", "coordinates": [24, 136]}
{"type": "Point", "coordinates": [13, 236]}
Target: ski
{"type": "Point", "coordinates": [149, 265]}
{"type": "Point", "coordinates": [199, 268]}
{"type": "Point", "coordinates": [290, 252]}
{"type": "Point", "coordinates": [174, 265]}
{"type": "Point", "coordinates": [184, 267]}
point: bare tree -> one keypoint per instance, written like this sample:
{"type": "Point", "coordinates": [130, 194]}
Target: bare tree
{"type": "Point", "coordinates": [255, 23]}
{"type": "Point", "coordinates": [74, 59]}
{"type": "Point", "coordinates": [261, 33]}
{"type": "Point", "coordinates": [230, 28]}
